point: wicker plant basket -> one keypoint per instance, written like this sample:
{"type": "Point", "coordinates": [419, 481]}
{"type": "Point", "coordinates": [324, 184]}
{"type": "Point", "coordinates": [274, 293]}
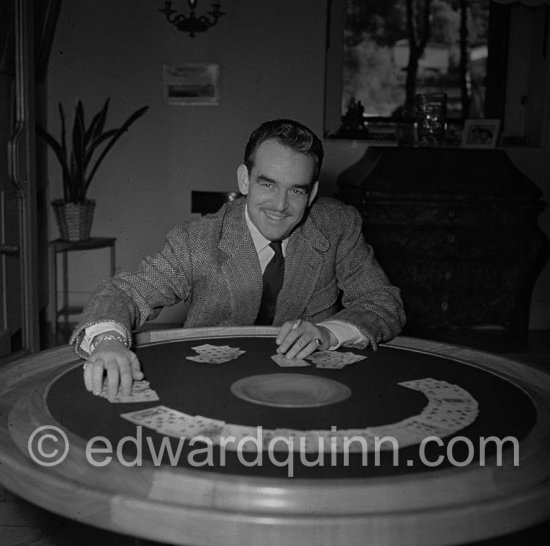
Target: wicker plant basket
{"type": "Point", "coordinates": [74, 220]}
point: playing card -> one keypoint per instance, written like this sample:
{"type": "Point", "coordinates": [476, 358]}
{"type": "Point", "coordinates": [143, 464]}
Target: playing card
{"type": "Point", "coordinates": [309, 442]}
{"type": "Point", "coordinates": [330, 365]}
{"type": "Point", "coordinates": [209, 359]}
{"type": "Point", "coordinates": [350, 358]}
{"type": "Point", "coordinates": [215, 354]}
{"type": "Point", "coordinates": [152, 417]}
{"type": "Point", "coordinates": [270, 441]}
{"type": "Point", "coordinates": [402, 436]}
{"type": "Point", "coordinates": [209, 428]}
{"type": "Point", "coordinates": [436, 389]}
{"type": "Point", "coordinates": [140, 386]}
{"type": "Point", "coordinates": [218, 350]}
{"type": "Point", "coordinates": [285, 362]}
{"type": "Point", "coordinates": [205, 347]}
{"type": "Point", "coordinates": [334, 359]}
{"type": "Point", "coordinates": [141, 392]}
{"type": "Point", "coordinates": [284, 439]}
{"type": "Point", "coordinates": [422, 430]}
{"type": "Point", "coordinates": [241, 437]}
{"type": "Point", "coordinates": [319, 441]}
{"type": "Point", "coordinates": [449, 416]}
{"type": "Point", "coordinates": [357, 440]}
{"type": "Point", "coordinates": [170, 422]}
{"type": "Point", "coordinates": [319, 357]}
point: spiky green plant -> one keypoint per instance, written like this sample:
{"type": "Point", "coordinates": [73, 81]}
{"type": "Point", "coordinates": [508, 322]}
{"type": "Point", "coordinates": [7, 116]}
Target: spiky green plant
{"type": "Point", "coordinates": [90, 145]}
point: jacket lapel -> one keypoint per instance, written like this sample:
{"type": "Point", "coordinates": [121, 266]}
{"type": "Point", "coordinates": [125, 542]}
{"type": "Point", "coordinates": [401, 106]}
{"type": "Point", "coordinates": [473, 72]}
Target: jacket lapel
{"type": "Point", "coordinates": [240, 267]}
{"type": "Point", "coordinates": [303, 262]}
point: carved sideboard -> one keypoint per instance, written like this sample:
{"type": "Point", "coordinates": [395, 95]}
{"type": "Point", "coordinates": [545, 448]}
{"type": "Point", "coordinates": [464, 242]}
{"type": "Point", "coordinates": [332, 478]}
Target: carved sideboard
{"type": "Point", "coordinates": [456, 230]}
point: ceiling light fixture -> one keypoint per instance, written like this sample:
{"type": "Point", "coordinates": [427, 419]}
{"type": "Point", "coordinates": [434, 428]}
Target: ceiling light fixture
{"type": "Point", "coordinates": [192, 23]}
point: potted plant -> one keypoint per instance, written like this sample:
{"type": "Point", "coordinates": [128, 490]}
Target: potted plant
{"type": "Point", "coordinates": [90, 145]}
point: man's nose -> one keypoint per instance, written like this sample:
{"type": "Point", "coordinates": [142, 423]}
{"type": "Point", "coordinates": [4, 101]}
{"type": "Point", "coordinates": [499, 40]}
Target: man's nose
{"type": "Point", "coordinates": [281, 201]}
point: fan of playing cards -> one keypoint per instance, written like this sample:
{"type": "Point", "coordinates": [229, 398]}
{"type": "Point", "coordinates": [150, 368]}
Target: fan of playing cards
{"type": "Point", "coordinates": [322, 359]}
{"type": "Point", "coordinates": [215, 354]}
{"type": "Point", "coordinates": [449, 409]}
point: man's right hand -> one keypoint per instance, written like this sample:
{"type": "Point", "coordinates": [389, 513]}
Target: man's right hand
{"type": "Point", "coordinates": [119, 363]}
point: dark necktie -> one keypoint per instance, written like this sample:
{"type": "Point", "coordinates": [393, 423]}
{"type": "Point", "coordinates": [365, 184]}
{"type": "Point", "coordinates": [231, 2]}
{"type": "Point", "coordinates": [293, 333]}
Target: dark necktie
{"type": "Point", "coordinates": [273, 280]}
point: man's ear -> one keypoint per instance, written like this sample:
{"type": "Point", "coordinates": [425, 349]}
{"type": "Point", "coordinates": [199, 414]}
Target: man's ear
{"type": "Point", "coordinates": [242, 179]}
{"type": "Point", "coordinates": [313, 192]}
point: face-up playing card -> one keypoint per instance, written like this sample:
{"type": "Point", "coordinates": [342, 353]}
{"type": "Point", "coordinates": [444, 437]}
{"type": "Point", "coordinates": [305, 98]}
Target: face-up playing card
{"type": "Point", "coordinates": [209, 428]}
{"type": "Point", "coordinates": [240, 437]}
{"type": "Point", "coordinates": [316, 441]}
{"type": "Point", "coordinates": [327, 365]}
{"type": "Point", "coordinates": [154, 418]}
{"type": "Point", "coordinates": [449, 415]}
{"type": "Point", "coordinates": [422, 430]}
{"type": "Point", "coordinates": [209, 359]}
{"type": "Point", "coordinates": [285, 362]}
{"type": "Point", "coordinates": [215, 354]}
{"type": "Point", "coordinates": [160, 418]}
{"type": "Point", "coordinates": [141, 392]}
{"type": "Point", "coordinates": [441, 391]}
{"type": "Point", "coordinates": [176, 423]}
{"type": "Point", "coordinates": [438, 389]}
{"type": "Point", "coordinates": [334, 359]}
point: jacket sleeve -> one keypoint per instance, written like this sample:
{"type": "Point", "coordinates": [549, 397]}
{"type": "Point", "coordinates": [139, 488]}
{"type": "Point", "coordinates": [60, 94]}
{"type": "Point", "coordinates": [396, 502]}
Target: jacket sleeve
{"type": "Point", "coordinates": [369, 300]}
{"type": "Point", "coordinates": [130, 299]}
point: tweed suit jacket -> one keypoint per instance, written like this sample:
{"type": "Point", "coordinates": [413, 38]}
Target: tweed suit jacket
{"type": "Point", "coordinates": [211, 264]}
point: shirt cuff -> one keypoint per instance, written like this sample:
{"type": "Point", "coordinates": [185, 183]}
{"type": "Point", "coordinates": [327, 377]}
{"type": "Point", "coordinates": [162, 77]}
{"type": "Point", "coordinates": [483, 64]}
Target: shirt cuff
{"type": "Point", "coordinates": [345, 333]}
{"type": "Point", "coordinates": [99, 328]}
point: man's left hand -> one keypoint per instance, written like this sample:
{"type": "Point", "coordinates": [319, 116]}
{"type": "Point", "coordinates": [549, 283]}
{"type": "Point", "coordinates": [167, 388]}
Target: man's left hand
{"type": "Point", "coordinates": [299, 338]}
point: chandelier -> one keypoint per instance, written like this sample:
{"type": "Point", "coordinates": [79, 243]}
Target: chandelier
{"type": "Point", "coordinates": [192, 23]}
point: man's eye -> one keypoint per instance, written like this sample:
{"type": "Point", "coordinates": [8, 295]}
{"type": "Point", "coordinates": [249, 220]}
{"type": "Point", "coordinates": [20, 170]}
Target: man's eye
{"type": "Point", "coordinates": [298, 191]}
{"type": "Point", "coordinates": [266, 184]}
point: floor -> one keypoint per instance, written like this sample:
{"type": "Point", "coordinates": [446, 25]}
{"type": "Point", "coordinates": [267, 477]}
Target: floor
{"type": "Point", "coordinates": [24, 524]}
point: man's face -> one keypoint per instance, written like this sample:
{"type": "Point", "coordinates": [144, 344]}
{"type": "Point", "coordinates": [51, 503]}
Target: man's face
{"type": "Point", "coordinates": [279, 188]}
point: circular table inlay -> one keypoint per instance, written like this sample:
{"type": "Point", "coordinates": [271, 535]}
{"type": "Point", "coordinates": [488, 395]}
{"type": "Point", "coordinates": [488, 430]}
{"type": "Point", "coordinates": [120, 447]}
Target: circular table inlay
{"type": "Point", "coordinates": [290, 390]}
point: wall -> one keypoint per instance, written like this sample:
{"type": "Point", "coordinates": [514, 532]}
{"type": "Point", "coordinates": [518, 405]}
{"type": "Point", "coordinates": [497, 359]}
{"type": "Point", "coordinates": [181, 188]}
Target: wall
{"type": "Point", "coordinates": [271, 61]}
{"type": "Point", "coordinates": [271, 57]}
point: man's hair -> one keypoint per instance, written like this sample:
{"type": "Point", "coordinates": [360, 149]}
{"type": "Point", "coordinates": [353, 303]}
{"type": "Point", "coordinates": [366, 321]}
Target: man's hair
{"type": "Point", "coordinates": [289, 133]}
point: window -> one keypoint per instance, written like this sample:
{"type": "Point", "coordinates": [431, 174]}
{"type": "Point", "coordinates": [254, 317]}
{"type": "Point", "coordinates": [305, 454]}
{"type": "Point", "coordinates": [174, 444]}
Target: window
{"type": "Point", "coordinates": [382, 53]}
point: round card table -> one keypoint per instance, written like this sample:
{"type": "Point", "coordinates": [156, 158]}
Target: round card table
{"type": "Point", "coordinates": [73, 454]}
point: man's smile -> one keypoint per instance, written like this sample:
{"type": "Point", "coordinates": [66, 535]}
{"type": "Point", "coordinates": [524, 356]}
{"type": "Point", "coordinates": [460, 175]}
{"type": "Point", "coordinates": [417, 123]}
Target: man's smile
{"type": "Point", "coordinates": [276, 217]}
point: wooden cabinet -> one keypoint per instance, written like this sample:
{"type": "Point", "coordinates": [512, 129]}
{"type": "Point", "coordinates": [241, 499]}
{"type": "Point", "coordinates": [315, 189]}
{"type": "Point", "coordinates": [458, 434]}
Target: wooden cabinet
{"type": "Point", "coordinates": [456, 230]}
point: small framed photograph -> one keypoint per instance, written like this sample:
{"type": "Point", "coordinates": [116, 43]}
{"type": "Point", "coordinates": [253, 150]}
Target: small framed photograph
{"type": "Point", "coordinates": [192, 84]}
{"type": "Point", "coordinates": [480, 133]}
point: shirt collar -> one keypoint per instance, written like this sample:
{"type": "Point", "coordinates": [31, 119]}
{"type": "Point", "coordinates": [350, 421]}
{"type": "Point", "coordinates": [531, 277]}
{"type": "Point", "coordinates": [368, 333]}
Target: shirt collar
{"type": "Point", "coordinates": [260, 242]}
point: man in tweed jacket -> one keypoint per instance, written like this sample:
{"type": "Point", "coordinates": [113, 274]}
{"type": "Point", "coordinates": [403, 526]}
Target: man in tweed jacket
{"type": "Point", "coordinates": [333, 292]}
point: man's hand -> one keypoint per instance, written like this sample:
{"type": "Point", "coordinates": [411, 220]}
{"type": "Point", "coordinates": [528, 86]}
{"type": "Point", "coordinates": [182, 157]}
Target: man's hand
{"type": "Point", "coordinates": [299, 338]}
{"type": "Point", "coordinates": [121, 364]}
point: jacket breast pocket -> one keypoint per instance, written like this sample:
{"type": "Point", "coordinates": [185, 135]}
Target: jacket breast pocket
{"type": "Point", "coordinates": [327, 298]}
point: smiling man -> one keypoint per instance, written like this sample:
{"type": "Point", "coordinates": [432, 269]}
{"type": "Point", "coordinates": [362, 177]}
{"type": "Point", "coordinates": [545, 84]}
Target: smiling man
{"type": "Point", "coordinates": [280, 184]}
{"type": "Point", "coordinates": [277, 256]}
